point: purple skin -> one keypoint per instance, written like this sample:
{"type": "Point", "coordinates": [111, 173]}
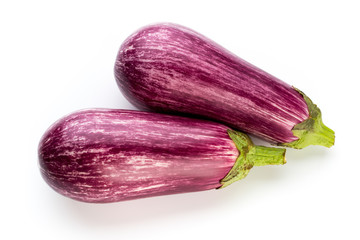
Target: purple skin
{"type": "Point", "coordinates": [170, 68]}
{"type": "Point", "coordinates": [104, 155]}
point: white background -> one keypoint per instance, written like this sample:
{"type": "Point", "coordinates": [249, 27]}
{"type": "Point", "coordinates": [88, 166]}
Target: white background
{"type": "Point", "coordinates": [57, 57]}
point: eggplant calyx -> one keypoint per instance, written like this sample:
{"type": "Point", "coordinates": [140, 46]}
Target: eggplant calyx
{"type": "Point", "coordinates": [249, 156]}
{"type": "Point", "coordinates": [312, 131]}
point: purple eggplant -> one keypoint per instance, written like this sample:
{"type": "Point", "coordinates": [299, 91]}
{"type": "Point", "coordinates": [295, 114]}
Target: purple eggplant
{"type": "Point", "coordinates": [105, 155]}
{"type": "Point", "coordinates": [170, 68]}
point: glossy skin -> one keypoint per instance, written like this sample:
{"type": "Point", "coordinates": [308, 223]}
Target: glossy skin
{"type": "Point", "coordinates": [104, 155]}
{"type": "Point", "coordinates": [169, 68]}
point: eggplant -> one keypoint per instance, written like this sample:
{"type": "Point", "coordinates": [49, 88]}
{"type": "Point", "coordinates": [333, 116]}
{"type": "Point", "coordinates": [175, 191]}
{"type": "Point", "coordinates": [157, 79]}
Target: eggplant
{"type": "Point", "coordinates": [172, 69]}
{"type": "Point", "coordinates": [108, 155]}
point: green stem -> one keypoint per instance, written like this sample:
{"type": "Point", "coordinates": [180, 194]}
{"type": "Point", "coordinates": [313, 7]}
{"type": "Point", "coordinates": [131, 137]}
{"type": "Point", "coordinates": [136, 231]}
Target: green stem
{"type": "Point", "coordinates": [250, 155]}
{"type": "Point", "coordinates": [312, 131]}
{"type": "Point", "coordinates": [262, 156]}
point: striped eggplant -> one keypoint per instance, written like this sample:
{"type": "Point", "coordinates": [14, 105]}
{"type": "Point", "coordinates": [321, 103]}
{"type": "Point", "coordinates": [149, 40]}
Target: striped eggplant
{"type": "Point", "coordinates": [170, 68]}
{"type": "Point", "coordinates": [105, 155]}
